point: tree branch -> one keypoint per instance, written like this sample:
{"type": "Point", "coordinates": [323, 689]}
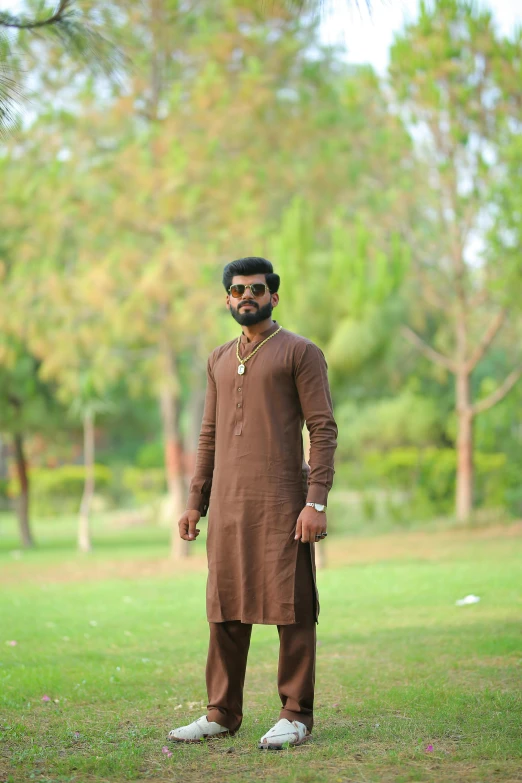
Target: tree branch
{"type": "Point", "coordinates": [499, 394]}
{"type": "Point", "coordinates": [57, 16]}
{"type": "Point", "coordinates": [427, 350]}
{"type": "Point", "coordinates": [431, 295]}
{"type": "Point", "coordinates": [487, 339]}
{"type": "Point", "coordinates": [480, 298]}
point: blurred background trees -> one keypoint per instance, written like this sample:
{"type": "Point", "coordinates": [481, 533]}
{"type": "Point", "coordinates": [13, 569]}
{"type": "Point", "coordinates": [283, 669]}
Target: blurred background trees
{"type": "Point", "coordinates": [390, 208]}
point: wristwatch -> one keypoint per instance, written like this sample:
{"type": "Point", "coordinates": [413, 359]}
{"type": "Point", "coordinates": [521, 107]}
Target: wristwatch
{"type": "Point", "coordinates": [317, 506]}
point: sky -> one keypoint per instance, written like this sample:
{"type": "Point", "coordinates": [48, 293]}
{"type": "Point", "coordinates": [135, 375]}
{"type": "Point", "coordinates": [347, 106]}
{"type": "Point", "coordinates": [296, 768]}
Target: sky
{"type": "Point", "coordinates": [367, 37]}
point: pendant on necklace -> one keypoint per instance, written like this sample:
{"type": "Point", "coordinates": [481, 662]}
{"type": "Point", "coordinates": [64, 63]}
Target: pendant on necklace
{"type": "Point", "coordinates": [241, 369]}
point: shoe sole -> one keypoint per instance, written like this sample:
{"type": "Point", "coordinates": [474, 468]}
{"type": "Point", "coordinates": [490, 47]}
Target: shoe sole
{"type": "Point", "coordinates": [205, 737]}
{"type": "Point", "coordinates": [273, 746]}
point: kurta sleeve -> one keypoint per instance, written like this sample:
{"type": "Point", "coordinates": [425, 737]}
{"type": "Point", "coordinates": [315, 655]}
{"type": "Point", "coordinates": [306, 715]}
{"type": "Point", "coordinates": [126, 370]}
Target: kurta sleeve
{"type": "Point", "coordinates": [200, 486]}
{"type": "Point", "coordinates": [311, 379]}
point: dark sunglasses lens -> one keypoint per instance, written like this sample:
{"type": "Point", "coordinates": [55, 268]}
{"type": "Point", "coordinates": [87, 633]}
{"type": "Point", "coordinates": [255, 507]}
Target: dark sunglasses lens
{"type": "Point", "coordinates": [258, 289]}
{"type": "Point", "coordinates": [237, 290]}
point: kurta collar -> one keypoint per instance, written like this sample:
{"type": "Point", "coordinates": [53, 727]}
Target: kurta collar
{"type": "Point", "coordinates": [261, 336]}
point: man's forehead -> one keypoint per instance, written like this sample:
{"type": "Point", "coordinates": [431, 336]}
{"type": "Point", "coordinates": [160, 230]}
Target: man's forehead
{"type": "Point", "coordinates": [259, 278]}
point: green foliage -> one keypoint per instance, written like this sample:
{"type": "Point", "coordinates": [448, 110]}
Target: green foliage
{"type": "Point", "coordinates": [404, 420]}
{"type": "Point", "coordinates": [151, 455]}
{"type": "Point", "coordinates": [59, 490]}
{"type": "Point", "coordinates": [80, 35]}
{"type": "Point", "coordinates": [236, 132]}
{"type": "Point", "coordinates": [418, 483]}
{"type": "Point", "coordinates": [144, 485]}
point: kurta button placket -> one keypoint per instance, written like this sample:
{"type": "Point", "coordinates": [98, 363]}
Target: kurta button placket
{"type": "Point", "coordinates": [239, 411]}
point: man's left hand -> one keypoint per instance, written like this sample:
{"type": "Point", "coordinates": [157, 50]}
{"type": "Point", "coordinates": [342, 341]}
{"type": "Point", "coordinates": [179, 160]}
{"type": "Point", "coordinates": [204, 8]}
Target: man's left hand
{"type": "Point", "coordinates": [310, 524]}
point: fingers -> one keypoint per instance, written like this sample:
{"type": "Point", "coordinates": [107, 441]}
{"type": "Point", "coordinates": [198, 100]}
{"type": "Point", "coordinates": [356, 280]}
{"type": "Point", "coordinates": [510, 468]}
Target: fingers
{"type": "Point", "coordinates": [299, 528]}
{"type": "Point", "coordinates": [187, 529]}
{"type": "Point", "coordinates": [191, 529]}
{"type": "Point", "coordinates": [183, 528]}
{"type": "Point", "coordinates": [312, 530]}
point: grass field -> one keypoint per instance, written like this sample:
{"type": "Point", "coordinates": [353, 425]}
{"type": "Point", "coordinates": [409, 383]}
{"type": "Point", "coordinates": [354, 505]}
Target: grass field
{"type": "Point", "coordinates": [410, 687]}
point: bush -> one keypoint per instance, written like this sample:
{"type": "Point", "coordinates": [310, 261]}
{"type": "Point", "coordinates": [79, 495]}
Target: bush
{"type": "Point", "coordinates": [425, 479]}
{"type": "Point", "coordinates": [151, 455]}
{"type": "Point", "coordinates": [4, 498]}
{"type": "Point", "coordinates": [59, 490]}
{"type": "Point", "coordinates": [144, 485]}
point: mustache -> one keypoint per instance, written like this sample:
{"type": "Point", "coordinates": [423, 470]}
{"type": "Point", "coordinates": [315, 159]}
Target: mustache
{"type": "Point", "coordinates": [252, 304]}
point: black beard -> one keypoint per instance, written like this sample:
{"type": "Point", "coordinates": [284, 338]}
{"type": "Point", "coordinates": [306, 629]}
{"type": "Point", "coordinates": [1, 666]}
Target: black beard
{"type": "Point", "coordinates": [253, 317]}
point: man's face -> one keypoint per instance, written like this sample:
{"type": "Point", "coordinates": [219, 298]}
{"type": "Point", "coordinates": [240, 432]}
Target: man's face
{"type": "Point", "coordinates": [250, 309]}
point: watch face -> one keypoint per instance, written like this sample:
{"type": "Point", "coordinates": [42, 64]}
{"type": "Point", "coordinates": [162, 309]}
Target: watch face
{"type": "Point", "coordinates": [319, 507]}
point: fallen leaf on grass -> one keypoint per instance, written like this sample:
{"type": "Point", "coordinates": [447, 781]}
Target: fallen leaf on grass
{"type": "Point", "coordinates": [46, 698]}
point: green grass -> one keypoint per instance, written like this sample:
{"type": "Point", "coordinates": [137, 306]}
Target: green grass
{"type": "Point", "coordinates": [400, 667]}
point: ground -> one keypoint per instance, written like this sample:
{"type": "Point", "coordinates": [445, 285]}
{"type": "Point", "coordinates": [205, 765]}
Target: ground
{"type": "Point", "coordinates": [110, 653]}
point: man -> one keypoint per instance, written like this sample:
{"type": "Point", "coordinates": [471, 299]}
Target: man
{"type": "Point", "coordinates": [267, 507]}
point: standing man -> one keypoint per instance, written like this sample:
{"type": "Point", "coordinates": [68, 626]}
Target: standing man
{"type": "Point", "coordinates": [267, 507]}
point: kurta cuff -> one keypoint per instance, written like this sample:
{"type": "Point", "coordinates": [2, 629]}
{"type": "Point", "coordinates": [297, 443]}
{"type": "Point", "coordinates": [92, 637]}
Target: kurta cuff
{"type": "Point", "coordinates": [197, 502]}
{"type": "Point", "coordinates": [317, 493]}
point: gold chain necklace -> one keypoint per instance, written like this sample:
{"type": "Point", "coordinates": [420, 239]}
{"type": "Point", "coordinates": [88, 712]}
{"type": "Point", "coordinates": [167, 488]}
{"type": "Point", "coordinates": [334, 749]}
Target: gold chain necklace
{"type": "Point", "coordinates": [242, 362]}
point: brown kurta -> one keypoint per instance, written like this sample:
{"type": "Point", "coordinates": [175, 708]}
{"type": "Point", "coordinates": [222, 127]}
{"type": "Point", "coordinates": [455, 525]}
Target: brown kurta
{"type": "Point", "coordinates": [251, 473]}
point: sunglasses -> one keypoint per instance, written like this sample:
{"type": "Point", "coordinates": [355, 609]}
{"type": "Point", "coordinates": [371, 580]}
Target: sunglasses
{"type": "Point", "coordinates": [256, 289]}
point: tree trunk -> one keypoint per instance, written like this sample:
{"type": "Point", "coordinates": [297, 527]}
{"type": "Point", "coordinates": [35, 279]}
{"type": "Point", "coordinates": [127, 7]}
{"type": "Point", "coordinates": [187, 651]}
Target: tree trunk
{"type": "Point", "coordinates": [464, 490]}
{"type": "Point", "coordinates": [195, 407]}
{"type": "Point", "coordinates": [173, 451]}
{"type": "Point", "coordinates": [84, 533]}
{"type": "Point", "coordinates": [22, 506]}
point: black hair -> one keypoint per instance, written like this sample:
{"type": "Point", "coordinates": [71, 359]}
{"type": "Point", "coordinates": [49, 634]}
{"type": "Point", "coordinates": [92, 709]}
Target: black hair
{"type": "Point", "coordinates": [251, 265]}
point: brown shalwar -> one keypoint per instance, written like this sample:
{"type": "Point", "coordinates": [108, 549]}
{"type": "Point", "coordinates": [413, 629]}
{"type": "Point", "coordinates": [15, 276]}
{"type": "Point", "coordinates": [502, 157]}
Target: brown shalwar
{"type": "Point", "coordinates": [252, 478]}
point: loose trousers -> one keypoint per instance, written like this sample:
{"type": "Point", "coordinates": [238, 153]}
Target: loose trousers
{"type": "Point", "coordinates": [228, 652]}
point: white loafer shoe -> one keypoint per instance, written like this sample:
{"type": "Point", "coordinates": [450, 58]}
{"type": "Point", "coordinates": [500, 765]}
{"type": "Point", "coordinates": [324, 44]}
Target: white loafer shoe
{"type": "Point", "coordinates": [199, 730]}
{"type": "Point", "coordinates": [284, 733]}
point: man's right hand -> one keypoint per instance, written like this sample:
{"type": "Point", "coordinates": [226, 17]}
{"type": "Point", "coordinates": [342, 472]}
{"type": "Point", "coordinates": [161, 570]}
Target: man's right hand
{"type": "Point", "coordinates": [187, 525]}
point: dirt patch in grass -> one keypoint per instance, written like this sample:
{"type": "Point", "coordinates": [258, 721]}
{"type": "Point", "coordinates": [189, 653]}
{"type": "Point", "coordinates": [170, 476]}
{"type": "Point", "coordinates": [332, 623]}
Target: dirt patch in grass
{"type": "Point", "coordinates": [415, 545]}
{"type": "Point", "coordinates": [92, 570]}
{"type": "Point", "coordinates": [410, 545]}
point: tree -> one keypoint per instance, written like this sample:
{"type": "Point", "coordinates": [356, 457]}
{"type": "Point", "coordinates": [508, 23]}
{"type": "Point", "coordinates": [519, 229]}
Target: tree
{"type": "Point", "coordinates": [27, 406]}
{"type": "Point", "coordinates": [80, 35]}
{"type": "Point", "coordinates": [447, 74]}
{"type": "Point", "coordinates": [195, 157]}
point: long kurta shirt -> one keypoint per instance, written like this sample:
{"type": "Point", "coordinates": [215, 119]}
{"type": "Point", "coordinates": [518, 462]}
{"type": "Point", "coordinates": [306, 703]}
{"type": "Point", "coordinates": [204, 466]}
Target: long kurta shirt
{"type": "Point", "coordinates": [251, 474]}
